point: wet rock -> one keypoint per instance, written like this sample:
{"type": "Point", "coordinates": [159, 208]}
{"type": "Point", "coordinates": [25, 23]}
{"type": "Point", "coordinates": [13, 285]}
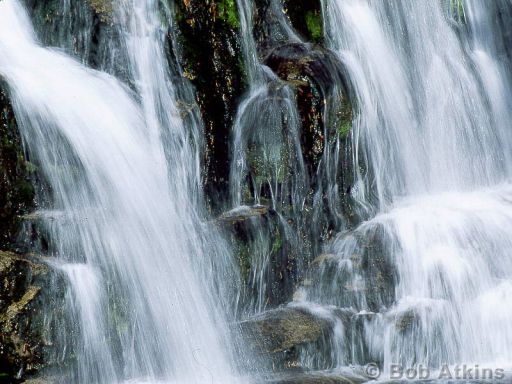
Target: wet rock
{"type": "Point", "coordinates": [271, 25]}
{"type": "Point", "coordinates": [86, 37]}
{"type": "Point", "coordinates": [25, 345]}
{"type": "Point", "coordinates": [103, 8]}
{"type": "Point", "coordinates": [504, 14]}
{"type": "Point", "coordinates": [35, 234]}
{"type": "Point", "coordinates": [282, 329]}
{"type": "Point", "coordinates": [305, 63]}
{"type": "Point", "coordinates": [325, 113]}
{"type": "Point", "coordinates": [210, 54]}
{"type": "Point", "coordinates": [378, 269]}
{"type": "Point", "coordinates": [16, 189]}
{"type": "Point", "coordinates": [243, 213]}
{"type": "Point", "coordinates": [323, 103]}
{"type": "Point", "coordinates": [268, 256]}
{"type": "Point", "coordinates": [306, 18]}
{"type": "Point", "coordinates": [315, 378]}
{"type": "Point", "coordinates": [323, 259]}
{"type": "Point", "coordinates": [405, 321]}
{"type": "Point", "coordinates": [48, 380]}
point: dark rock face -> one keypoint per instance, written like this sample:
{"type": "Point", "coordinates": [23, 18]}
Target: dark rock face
{"type": "Point", "coordinates": [16, 189]}
{"type": "Point", "coordinates": [246, 227]}
{"type": "Point", "coordinates": [86, 37]}
{"type": "Point", "coordinates": [210, 51]}
{"type": "Point", "coordinates": [314, 71]}
{"type": "Point", "coordinates": [298, 63]}
{"type": "Point", "coordinates": [306, 18]}
{"type": "Point", "coordinates": [25, 284]}
{"type": "Point", "coordinates": [326, 115]}
{"type": "Point", "coordinates": [315, 78]}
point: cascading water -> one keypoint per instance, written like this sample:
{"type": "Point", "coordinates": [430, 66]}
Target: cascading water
{"type": "Point", "coordinates": [417, 275]}
{"type": "Point", "coordinates": [270, 104]}
{"type": "Point", "coordinates": [427, 275]}
{"type": "Point", "coordinates": [272, 154]}
{"type": "Point", "coordinates": [266, 137]}
{"type": "Point", "coordinates": [133, 244]}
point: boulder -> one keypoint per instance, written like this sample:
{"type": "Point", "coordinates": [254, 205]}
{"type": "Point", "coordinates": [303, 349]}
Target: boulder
{"type": "Point", "coordinates": [318, 377]}
{"type": "Point", "coordinates": [305, 63]}
{"type": "Point", "coordinates": [282, 329]}
{"type": "Point", "coordinates": [323, 103]}
{"type": "Point", "coordinates": [25, 331]}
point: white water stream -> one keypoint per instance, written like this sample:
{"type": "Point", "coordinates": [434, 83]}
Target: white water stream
{"type": "Point", "coordinates": [434, 130]}
{"type": "Point", "coordinates": [137, 254]}
{"type": "Point", "coordinates": [429, 273]}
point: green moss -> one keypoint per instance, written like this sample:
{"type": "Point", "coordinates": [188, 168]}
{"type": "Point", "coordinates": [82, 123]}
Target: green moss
{"type": "Point", "coordinates": [227, 11]}
{"type": "Point", "coordinates": [278, 242]}
{"type": "Point", "coordinates": [244, 258]}
{"type": "Point", "coordinates": [306, 18]}
{"type": "Point", "coordinates": [30, 167]}
{"type": "Point", "coordinates": [344, 128]}
{"type": "Point", "coordinates": [457, 11]}
{"type": "Point", "coordinates": [344, 119]}
{"type": "Point", "coordinates": [315, 26]}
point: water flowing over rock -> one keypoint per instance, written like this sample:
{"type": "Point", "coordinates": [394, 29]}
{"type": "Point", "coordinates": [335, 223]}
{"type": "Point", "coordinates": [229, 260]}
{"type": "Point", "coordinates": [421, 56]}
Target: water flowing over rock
{"type": "Point", "coordinates": [437, 181]}
{"type": "Point", "coordinates": [66, 126]}
{"type": "Point", "coordinates": [16, 189]}
{"type": "Point", "coordinates": [253, 191]}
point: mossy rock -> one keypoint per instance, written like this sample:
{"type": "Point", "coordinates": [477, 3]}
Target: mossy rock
{"type": "Point", "coordinates": [209, 52]}
{"type": "Point", "coordinates": [227, 10]}
{"type": "Point", "coordinates": [282, 329]}
{"type": "Point", "coordinates": [306, 18]}
{"type": "Point", "coordinates": [318, 76]}
{"type": "Point", "coordinates": [31, 299]}
{"type": "Point", "coordinates": [103, 8]}
{"type": "Point", "coordinates": [255, 233]}
{"type": "Point", "coordinates": [298, 62]}
{"type": "Point", "coordinates": [16, 188]}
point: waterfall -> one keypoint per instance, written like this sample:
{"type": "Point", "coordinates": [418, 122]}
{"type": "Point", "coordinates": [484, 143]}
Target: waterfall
{"type": "Point", "coordinates": [266, 148]}
{"type": "Point", "coordinates": [270, 104]}
{"type": "Point", "coordinates": [383, 240]}
{"type": "Point", "coordinates": [130, 233]}
{"type": "Point", "coordinates": [427, 274]}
